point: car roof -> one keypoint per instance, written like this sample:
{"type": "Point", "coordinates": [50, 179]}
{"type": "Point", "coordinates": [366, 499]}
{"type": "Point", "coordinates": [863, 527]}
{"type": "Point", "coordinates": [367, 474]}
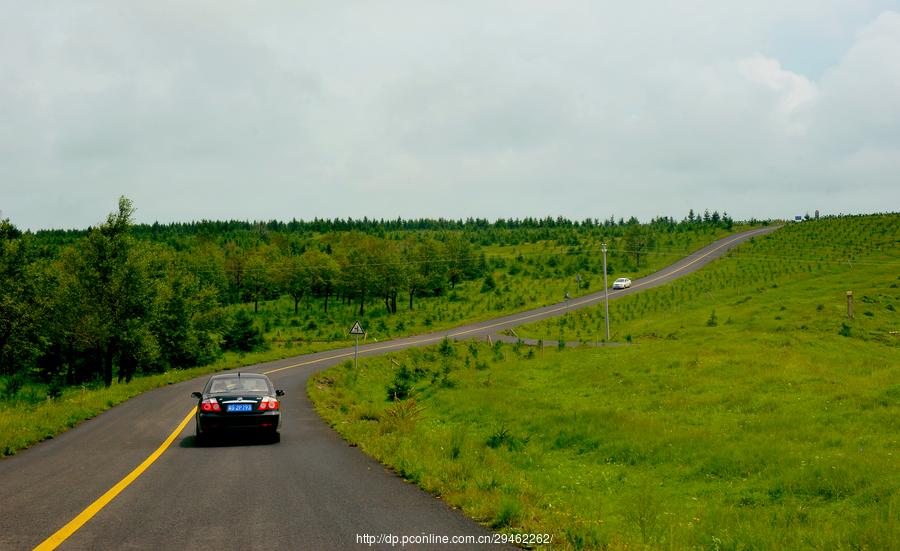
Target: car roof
{"type": "Point", "coordinates": [236, 375]}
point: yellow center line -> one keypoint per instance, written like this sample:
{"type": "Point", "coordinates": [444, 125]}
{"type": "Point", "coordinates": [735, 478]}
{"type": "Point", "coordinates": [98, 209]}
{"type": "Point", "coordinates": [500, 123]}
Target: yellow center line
{"type": "Point", "coordinates": [63, 533]}
{"type": "Point", "coordinates": [91, 510]}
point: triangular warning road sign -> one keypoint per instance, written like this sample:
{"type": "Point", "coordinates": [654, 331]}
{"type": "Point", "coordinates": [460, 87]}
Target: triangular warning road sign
{"type": "Point", "coordinates": [357, 329]}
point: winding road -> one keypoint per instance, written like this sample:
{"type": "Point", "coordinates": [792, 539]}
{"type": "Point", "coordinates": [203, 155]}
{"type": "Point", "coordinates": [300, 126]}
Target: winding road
{"type": "Point", "coordinates": [131, 478]}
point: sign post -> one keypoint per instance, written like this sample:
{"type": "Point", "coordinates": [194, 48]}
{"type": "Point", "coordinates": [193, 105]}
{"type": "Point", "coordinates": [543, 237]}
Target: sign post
{"type": "Point", "coordinates": [356, 330]}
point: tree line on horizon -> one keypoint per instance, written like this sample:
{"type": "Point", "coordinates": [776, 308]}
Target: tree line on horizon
{"type": "Point", "coordinates": [121, 299]}
{"type": "Point", "coordinates": [383, 226]}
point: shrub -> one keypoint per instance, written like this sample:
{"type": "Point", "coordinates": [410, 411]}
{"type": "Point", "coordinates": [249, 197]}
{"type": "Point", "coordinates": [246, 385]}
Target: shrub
{"type": "Point", "coordinates": [473, 349]}
{"type": "Point", "coordinates": [446, 348]}
{"type": "Point", "coordinates": [498, 351]}
{"type": "Point", "coordinates": [845, 330]}
{"type": "Point", "coordinates": [498, 437]}
{"type": "Point", "coordinates": [401, 386]}
{"type": "Point", "coordinates": [55, 388]}
{"type": "Point", "coordinates": [713, 320]}
{"type": "Point", "coordinates": [13, 386]}
{"type": "Point", "coordinates": [489, 284]}
{"type": "Point", "coordinates": [242, 335]}
{"type": "Point", "coordinates": [402, 415]}
{"type": "Point", "coordinates": [443, 378]}
{"type": "Point", "coordinates": [502, 436]}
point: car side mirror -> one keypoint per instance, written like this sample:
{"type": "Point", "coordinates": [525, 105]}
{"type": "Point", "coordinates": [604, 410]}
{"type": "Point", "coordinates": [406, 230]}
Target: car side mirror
{"type": "Point", "coordinates": [279, 393]}
{"type": "Point", "coordinates": [196, 395]}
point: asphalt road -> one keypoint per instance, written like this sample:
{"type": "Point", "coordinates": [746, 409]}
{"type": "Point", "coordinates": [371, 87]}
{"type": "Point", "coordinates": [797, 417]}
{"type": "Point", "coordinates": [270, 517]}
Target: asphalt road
{"type": "Point", "coordinates": [310, 491]}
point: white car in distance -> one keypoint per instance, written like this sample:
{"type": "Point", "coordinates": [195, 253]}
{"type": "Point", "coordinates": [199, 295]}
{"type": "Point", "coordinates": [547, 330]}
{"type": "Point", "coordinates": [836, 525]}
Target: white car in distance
{"type": "Point", "coordinates": [622, 283]}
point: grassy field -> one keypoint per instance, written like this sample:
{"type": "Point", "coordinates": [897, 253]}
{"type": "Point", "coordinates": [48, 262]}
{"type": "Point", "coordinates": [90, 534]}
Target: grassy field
{"type": "Point", "coordinates": [773, 424]}
{"type": "Point", "coordinates": [526, 275]}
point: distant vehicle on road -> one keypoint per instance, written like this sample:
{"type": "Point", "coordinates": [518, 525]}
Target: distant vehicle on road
{"type": "Point", "coordinates": [238, 402]}
{"type": "Point", "coordinates": [622, 283]}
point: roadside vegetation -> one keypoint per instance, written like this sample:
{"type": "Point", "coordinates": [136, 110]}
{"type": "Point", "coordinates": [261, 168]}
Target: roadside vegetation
{"type": "Point", "coordinates": [87, 312]}
{"type": "Point", "coordinates": [750, 412]}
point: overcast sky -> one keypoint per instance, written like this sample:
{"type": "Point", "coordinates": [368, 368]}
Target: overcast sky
{"type": "Point", "coordinates": [285, 109]}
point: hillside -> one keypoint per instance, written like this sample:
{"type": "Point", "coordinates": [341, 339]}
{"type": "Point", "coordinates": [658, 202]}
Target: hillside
{"type": "Point", "coordinates": [771, 423]}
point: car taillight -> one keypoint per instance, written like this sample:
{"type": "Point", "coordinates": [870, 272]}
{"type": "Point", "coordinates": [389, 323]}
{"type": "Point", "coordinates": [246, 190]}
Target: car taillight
{"type": "Point", "coordinates": [210, 404]}
{"type": "Point", "coordinates": [268, 404]}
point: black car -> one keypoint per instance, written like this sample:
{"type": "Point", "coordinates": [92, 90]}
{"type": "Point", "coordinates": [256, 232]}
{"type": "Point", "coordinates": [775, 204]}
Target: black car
{"type": "Point", "coordinates": [237, 402]}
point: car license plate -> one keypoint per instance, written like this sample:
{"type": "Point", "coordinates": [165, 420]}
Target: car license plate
{"type": "Point", "coordinates": [239, 407]}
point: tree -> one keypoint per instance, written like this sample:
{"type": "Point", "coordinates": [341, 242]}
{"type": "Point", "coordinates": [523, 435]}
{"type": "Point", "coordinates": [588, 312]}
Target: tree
{"type": "Point", "coordinates": [109, 295]}
{"type": "Point", "coordinates": [242, 335]}
{"type": "Point", "coordinates": [638, 239]}
{"type": "Point", "coordinates": [235, 266]}
{"type": "Point", "coordinates": [258, 274]}
{"type": "Point", "coordinates": [322, 272]}
{"type": "Point", "coordinates": [206, 260]}
{"type": "Point", "coordinates": [186, 321]}
{"type": "Point", "coordinates": [139, 348]}
{"type": "Point", "coordinates": [358, 275]}
{"type": "Point", "coordinates": [461, 260]}
{"type": "Point", "coordinates": [293, 277]}
{"type": "Point", "coordinates": [390, 273]}
{"type": "Point", "coordinates": [729, 223]}
{"type": "Point", "coordinates": [23, 305]}
{"type": "Point", "coordinates": [427, 272]}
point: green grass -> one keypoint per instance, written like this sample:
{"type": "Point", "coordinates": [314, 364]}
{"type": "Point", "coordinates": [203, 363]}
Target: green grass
{"type": "Point", "coordinates": [772, 428]}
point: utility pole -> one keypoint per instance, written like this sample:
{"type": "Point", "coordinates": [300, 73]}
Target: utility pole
{"type": "Point", "coordinates": [605, 290]}
{"type": "Point", "coordinates": [850, 304]}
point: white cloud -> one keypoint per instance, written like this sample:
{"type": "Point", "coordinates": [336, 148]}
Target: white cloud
{"type": "Point", "coordinates": [859, 106]}
{"type": "Point", "coordinates": [793, 90]}
{"type": "Point", "coordinates": [205, 109]}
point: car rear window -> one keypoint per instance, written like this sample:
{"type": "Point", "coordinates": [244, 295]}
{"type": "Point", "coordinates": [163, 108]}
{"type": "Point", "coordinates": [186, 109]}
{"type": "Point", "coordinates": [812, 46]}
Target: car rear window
{"type": "Point", "coordinates": [239, 384]}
